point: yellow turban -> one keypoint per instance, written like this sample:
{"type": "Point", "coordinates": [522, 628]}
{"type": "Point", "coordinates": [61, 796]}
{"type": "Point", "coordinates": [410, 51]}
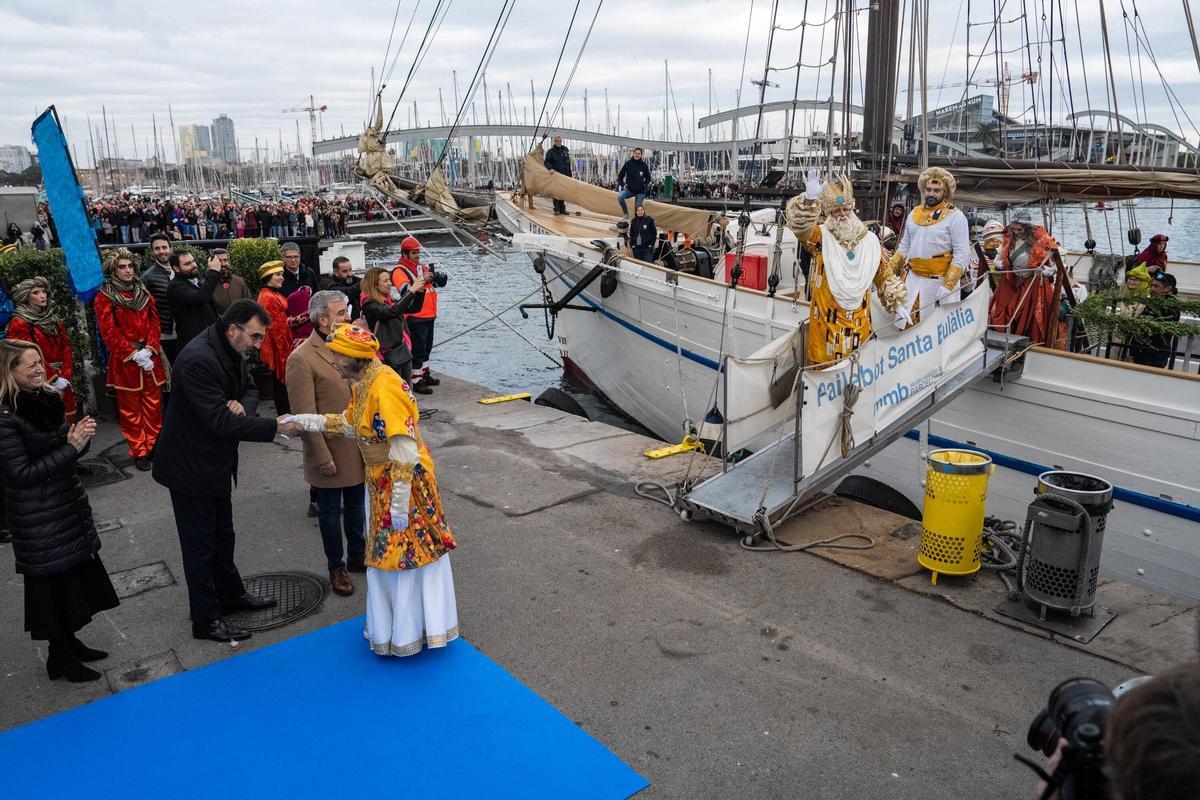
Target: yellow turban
{"type": "Point", "coordinates": [268, 269]}
{"type": "Point", "coordinates": [352, 341]}
{"type": "Point", "coordinates": [1142, 276]}
{"type": "Point", "coordinates": [938, 175]}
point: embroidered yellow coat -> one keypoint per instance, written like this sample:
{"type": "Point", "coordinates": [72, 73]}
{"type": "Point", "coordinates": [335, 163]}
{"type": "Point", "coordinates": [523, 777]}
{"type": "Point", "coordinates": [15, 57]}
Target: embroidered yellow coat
{"type": "Point", "coordinates": [381, 407]}
{"type": "Point", "coordinates": [833, 332]}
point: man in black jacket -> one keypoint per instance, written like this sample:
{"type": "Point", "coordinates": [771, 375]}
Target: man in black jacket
{"type": "Point", "coordinates": [197, 456]}
{"type": "Point", "coordinates": [157, 277]}
{"type": "Point", "coordinates": [632, 181]}
{"type": "Point", "coordinates": [558, 159]}
{"type": "Point", "coordinates": [342, 279]}
{"type": "Point", "coordinates": [190, 296]}
{"type": "Point", "coordinates": [295, 274]}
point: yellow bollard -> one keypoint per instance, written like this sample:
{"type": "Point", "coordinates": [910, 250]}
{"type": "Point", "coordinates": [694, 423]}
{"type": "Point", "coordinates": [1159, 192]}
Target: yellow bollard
{"type": "Point", "coordinates": [955, 503]}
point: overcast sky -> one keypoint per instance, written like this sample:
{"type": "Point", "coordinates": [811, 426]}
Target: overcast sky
{"type": "Point", "coordinates": [250, 60]}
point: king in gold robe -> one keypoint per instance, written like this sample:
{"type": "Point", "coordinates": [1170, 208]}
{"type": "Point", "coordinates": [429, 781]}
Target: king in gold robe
{"type": "Point", "coordinates": [847, 260]}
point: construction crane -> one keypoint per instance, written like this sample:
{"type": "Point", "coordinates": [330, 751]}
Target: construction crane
{"type": "Point", "coordinates": [1002, 85]}
{"type": "Point", "coordinates": [312, 109]}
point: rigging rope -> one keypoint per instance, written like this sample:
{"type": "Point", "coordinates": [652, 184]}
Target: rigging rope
{"type": "Point", "coordinates": [553, 76]}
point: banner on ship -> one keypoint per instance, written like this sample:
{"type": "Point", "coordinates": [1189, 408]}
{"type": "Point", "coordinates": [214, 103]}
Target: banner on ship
{"type": "Point", "coordinates": [894, 373]}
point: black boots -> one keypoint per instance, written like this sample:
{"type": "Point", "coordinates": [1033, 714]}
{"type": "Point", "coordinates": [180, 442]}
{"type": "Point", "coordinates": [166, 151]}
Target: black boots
{"type": "Point", "coordinates": [85, 653]}
{"type": "Point", "coordinates": [62, 662]}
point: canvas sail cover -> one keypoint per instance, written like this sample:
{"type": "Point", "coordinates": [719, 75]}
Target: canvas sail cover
{"type": "Point", "coordinates": [546, 183]}
{"type": "Point", "coordinates": [439, 199]}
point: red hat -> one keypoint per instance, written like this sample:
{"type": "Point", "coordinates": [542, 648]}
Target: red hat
{"type": "Point", "coordinates": [410, 243]}
{"type": "Point", "coordinates": [1159, 237]}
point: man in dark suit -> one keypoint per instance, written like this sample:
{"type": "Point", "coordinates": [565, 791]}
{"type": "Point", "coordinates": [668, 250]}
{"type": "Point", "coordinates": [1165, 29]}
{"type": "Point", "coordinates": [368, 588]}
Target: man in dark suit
{"type": "Point", "coordinates": [190, 296]}
{"type": "Point", "coordinates": [558, 159]}
{"type": "Point", "coordinates": [197, 456]}
{"type": "Point", "coordinates": [295, 274]}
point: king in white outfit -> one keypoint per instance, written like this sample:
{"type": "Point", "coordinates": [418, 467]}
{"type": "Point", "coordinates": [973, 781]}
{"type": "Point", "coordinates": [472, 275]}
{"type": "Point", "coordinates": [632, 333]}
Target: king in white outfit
{"type": "Point", "coordinates": [935, 246]}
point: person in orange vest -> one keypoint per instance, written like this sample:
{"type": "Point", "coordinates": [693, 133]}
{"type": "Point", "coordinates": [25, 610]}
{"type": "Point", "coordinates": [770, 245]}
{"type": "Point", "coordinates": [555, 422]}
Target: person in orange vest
{"type": "Point", "coordinates": [420, 322]}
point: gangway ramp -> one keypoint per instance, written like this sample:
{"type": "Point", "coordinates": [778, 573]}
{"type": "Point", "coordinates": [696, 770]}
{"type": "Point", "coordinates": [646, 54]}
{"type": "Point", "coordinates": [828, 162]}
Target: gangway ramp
{"type": "Point", "coordinates": [736, 496]}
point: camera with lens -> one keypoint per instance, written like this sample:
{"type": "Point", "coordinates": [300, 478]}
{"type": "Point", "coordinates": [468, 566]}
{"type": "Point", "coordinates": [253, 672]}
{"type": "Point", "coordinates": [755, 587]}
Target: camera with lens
{"type": "Point", "coordinates": [1076, 712]}
{"type": "Point", "coordinates": [438, 278]}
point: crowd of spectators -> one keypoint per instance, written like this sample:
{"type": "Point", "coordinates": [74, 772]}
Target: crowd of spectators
{"type": "Point", "coordinates": [130, 219]}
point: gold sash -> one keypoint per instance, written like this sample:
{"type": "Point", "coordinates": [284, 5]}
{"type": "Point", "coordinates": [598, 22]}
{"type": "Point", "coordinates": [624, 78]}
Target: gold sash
{"type": "Point", "coordinates": [932, 267]}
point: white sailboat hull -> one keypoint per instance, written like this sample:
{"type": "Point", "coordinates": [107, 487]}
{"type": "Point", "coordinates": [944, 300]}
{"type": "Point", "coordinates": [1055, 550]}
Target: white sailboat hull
{"type": "Point", "coordinates": [1138, 428]}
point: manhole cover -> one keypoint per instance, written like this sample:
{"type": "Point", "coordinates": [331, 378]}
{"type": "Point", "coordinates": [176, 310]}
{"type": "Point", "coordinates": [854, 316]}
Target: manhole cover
{"type": "Point", "coordinates": [297, 594]}
{"type": "Point", "coordinates": [99, 471]}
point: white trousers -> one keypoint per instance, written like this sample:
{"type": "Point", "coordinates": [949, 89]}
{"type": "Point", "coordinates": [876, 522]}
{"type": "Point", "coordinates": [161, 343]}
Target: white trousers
{"type": "Point", "coordinates": [408, 609]}
{"type": "Point", "coordinates": [926, 289]}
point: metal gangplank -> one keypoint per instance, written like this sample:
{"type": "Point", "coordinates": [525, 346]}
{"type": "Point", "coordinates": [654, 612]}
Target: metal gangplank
{"type": "Point", "coordinates": [736, 496]}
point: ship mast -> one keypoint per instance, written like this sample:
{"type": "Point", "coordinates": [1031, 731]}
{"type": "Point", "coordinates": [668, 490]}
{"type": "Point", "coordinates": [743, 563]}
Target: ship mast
{"type": "Point", "coordinates": [879, 101]}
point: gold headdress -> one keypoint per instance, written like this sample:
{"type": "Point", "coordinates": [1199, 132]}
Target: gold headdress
{"type": "Point", "coordinates": [838, 191]}
{"type": "Point", "coordinates": [938, 175]}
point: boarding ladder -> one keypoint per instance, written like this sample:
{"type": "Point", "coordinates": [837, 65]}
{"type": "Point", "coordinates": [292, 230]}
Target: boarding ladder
{"type": "Point", "coordinates": [733, 496]}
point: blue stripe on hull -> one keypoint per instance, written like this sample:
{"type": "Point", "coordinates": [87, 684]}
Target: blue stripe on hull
{"type": "Point", "coordinates": [663, 343]}
{"type": "Point", "coordinates": [1142, 499]}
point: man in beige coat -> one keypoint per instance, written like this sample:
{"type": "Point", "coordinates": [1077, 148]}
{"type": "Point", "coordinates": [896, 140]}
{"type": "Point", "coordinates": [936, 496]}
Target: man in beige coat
{"type": "Point", "coordinates": [333, 467]}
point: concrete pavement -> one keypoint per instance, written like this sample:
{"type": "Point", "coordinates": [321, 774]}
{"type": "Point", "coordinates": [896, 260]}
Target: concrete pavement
{"type": "Point", "coordinates": [713, 671]}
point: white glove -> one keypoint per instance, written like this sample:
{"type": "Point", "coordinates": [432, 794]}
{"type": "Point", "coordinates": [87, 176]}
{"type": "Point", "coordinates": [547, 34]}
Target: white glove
{"type": "Point", "coordinates": [902, 317]}
{"type": "Point", "coordinates": [1048, 269]}
{"type": "Point", "coordinates": [140, 357]}
{"type": "Point", "coordinates": [60, 383]}
{"type": "Point", "coordinates": [942, 294]}
{"type": "Point", "coordinates": [312, 423]}
{"type": "Point", "coordinates": [812, 185]}
{"type": "Point", "coordinates": [401, 492]}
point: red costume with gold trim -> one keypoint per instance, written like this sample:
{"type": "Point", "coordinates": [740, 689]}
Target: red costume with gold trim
{"type": "Point", "coordinates": [278, 345]}
{"type": "Point", "coordinates": [1026, 305]}
{"type": "Point", "coordinates": [127, 326]}
{"type": "Point", "coordinates": [56, 351]}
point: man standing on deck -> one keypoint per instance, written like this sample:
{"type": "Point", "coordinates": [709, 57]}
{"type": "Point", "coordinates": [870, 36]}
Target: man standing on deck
{"type": "Point", "coordinates": [935, 245]}
{"type": "Point", "coordinates": [558, 159]}
{"type": "Point", "coordinates": [342, 280]}
{"type": "Point", "coordinates": [632, 181]}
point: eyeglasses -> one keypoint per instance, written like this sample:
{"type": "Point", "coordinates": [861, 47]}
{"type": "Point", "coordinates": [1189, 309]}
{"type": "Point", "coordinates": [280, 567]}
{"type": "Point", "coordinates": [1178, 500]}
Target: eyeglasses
{"type": "Point", "coordinates": [254, 337]}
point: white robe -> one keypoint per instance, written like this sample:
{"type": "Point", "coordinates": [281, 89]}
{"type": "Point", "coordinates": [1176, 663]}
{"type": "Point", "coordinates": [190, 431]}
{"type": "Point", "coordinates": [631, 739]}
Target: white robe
{"type": "Point", "coordinates": [951, 233]}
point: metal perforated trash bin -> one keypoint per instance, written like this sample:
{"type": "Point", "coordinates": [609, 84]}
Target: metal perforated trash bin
{"type": "Point", "coordinates": [956, 484]}
{"type": "Point", "coordinates": [1063, 541]}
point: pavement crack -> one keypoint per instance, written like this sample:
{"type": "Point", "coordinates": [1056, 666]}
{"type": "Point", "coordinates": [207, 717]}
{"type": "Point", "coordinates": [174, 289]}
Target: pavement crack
{"type": "Point", "coordinates": [1170, 617]}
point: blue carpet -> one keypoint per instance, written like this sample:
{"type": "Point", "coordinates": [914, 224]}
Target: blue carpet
{"type": "Point", "coordinates": [317, 716]}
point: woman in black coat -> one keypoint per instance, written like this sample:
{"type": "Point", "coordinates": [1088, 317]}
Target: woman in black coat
{"type": "Point", "coordinates": [383, 309]}
{"type": "Point", "coordinates": [54, 538]}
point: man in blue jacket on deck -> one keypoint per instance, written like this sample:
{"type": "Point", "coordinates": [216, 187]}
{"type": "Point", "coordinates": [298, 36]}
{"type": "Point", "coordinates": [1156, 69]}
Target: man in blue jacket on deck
{"type": "Point", "coordinates": [632, 180]}
{"type": "Point", "coordinates": [558, 159]}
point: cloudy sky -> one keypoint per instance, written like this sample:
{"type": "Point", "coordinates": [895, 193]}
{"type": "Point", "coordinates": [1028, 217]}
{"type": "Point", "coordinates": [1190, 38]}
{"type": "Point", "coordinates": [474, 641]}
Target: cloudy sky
{"type": "Point", "coordinates": [250, 60]}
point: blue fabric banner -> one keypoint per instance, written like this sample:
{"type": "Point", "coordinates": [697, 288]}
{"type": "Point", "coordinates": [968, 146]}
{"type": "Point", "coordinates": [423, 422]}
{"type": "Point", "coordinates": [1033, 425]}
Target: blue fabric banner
{"type": "Point", "coordinates": [65, 195]}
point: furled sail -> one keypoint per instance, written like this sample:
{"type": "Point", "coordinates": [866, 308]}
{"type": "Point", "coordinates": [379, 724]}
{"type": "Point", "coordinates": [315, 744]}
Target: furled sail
{"type": "Point", "coordinates": [543, 182]}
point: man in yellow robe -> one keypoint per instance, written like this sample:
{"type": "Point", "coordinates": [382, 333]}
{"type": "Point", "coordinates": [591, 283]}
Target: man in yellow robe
{"type": "Point", "coordinates": [410, 589]}
{"type": "Point", "coordinates": [847, 260]}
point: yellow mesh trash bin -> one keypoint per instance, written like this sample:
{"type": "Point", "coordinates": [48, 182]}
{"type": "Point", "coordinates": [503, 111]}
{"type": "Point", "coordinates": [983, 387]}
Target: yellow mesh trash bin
{"type": "Point", "coordinates": [955, 502]}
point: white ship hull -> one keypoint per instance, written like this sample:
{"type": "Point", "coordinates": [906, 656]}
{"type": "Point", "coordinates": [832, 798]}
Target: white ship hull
{"type": "Point", "coordinates": [1138, 428]}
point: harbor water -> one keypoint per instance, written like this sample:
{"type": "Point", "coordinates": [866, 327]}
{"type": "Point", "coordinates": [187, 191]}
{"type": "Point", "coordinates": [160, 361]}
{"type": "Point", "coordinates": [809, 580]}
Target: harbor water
{"type": "Point", "coordinates": [509, 354]}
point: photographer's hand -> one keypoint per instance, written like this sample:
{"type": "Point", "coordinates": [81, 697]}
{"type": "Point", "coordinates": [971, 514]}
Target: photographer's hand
{"type": "Point", "coordinates": [1051, 767]}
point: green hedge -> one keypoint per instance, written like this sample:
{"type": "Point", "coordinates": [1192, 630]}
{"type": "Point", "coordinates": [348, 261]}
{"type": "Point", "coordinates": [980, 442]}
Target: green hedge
{"type": "Point", "coordinates": [247, 255]}
{"type": "Point", "coordinates": [17, 266]}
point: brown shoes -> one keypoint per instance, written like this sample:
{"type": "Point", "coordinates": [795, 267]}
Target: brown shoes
{"type": "Point", "coordinates": [340, 580]}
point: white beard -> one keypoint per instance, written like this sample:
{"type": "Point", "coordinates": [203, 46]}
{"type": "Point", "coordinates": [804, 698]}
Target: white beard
{"type": "Point", "coordinates": [849, 231]}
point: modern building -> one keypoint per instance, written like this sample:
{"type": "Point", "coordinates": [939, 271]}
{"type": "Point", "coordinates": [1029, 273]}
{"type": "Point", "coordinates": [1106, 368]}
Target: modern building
{"type": "Point", "coordinates": [15, 158]}
{"type": "Point", "coordinates": [224, 140]}
{"type": "Point", "coordinates": [195, 143]}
